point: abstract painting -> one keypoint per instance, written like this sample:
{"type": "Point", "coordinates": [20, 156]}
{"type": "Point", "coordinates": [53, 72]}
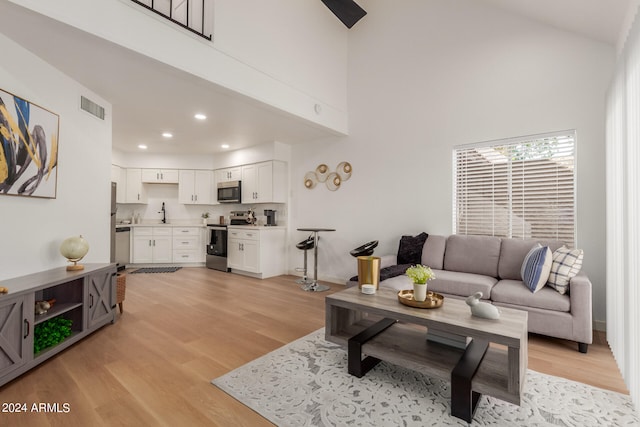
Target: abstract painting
{"type": "Point", "coordinates": [28, 148]}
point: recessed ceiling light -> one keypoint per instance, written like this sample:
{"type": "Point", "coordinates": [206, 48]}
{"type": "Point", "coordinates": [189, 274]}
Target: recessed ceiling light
{"type": "Point", "coordinates": [142, 147]}
{"type": "Point", "coordinates": [167, 134]}
{"type": "Point", "coordinates": [225, 146]}
{"type": "Point", "coordinates": [200, 116]}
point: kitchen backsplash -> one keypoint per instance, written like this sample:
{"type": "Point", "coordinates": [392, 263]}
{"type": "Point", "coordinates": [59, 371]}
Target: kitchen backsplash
{"type": "Point", "coordinates": [168, 193]}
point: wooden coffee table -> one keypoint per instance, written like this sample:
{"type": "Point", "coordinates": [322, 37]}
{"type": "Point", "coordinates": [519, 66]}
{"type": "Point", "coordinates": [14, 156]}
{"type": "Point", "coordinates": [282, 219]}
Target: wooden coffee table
{"type": "Point", "coordinates": [494, 361]}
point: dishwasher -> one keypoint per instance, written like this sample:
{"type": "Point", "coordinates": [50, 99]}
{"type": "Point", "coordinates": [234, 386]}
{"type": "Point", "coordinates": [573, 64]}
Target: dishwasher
{"type": "Point", "coordinates": [123, 244]}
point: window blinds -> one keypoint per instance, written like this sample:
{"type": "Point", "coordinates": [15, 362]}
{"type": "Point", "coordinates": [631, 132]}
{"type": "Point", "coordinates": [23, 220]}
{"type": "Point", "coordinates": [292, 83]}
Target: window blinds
{"type": "Point", "coordinates": [522, 188]}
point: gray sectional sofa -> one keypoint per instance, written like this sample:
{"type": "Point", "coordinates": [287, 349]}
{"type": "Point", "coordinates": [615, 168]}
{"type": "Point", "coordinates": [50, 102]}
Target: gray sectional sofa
{"type": "Point", "coordinates": [464, 265]}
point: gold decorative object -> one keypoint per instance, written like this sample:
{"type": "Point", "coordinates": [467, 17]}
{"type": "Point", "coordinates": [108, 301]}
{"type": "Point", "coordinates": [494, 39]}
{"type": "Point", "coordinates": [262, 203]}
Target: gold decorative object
{"type": "Point", "coordinates": [321, 172]}
{"type": "Point", "coordinates": [368, 271]}
{"type": "Point", "coordinates": [310, 180]}
{"type": "Point", "coordinates": [332, 180]}
{"type": "Point", "coordinates": [344, 170]}
{"type": "Point", "coordinates": [433, 300]}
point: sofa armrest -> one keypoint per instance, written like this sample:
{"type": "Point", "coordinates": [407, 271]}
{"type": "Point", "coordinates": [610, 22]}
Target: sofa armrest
{"type": "Point", "coordinates": [581, 297]}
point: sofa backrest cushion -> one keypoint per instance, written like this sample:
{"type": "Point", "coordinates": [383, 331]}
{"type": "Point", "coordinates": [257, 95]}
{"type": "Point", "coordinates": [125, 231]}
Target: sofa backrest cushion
{"type": "Point", "coordinates": [433, 251]}
{"type": "Point", "coordinates": [512, 253]}
{"type": "Point", "coordinates": [473, 254]}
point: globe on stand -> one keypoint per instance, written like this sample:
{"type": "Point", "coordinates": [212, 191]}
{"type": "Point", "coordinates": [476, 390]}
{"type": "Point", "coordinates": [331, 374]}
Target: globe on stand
{"type": "Point", "coordinates": [74, 249]}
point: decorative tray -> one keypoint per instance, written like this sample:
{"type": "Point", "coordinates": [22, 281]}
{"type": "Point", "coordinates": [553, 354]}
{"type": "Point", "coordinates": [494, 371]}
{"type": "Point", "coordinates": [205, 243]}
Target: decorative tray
{"type": "Point", "coordinates": [433, 300]}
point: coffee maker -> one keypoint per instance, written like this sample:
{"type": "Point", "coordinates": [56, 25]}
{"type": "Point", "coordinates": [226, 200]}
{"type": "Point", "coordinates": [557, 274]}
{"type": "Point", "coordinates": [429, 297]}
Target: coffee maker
{"type": "Point", "coordinates": [271, 217]}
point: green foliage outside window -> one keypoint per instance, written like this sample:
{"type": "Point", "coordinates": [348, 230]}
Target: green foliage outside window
{"type": "Point", "coordinates": [50, 333]}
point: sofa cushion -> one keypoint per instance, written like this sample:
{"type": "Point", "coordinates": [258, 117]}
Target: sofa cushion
{"type": "Point", "coordinates": [514, 292]}
{"type": "Point", "coordinates": [566, 264]}
{"type": "Point", "coordinates": [512, 253]}
{"type": "Point", "coordinates": [462, 284]}
{"type": "Point", "coordinates": [536, 267]}
{"type": "Point", "coordinates": [433, 251]}
{"type": "Point", "coordinates": [472, 254]}
{"type": "Point", "coordinates": [410, 249]}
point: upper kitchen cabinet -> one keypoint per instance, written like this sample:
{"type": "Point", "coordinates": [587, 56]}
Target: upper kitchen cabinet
{"type": "Point", "coordinates": [264, 182]}
{"type": "Point", "coordinates": [160, 176]}
{"type": "Point", "coordinates": [195, 187]}
{"type": "Point", "coordinates": [229, 174]}
{"type": "Point", "coordinates": [136, 193]}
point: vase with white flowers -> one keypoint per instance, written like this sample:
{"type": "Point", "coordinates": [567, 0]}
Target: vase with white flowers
{"type": "Point", "coordinates": [420, 275]}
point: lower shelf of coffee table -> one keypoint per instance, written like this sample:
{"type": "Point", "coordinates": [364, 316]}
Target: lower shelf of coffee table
{"type": "Point", "coordinates": [406, 345]}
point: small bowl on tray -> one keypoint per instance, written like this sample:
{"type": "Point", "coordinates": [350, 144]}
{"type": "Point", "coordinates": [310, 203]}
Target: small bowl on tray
{"type": "Point", "coordinates": [433, 300]}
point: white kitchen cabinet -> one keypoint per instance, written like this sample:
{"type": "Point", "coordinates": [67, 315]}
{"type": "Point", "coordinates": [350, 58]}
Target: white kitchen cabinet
{"type": "Point", "coordinates": [259, 252]}
{"type": "Point", "coordinates": [136, 192]}
{"type": "Point", "coordinates": [119, 176]}
{"type": "Point", "coordinates": [160, 176]}
{"type": "Point", "coordinates": [187, 245]}
{"type": "Point", "coordinates": [264, 182]}
{"type": "Point", "coordinates": [229, 174]}
{"type": "Point", "coordinates": [195, 187]}
{"type": "Point", "coordinates": [152, 245]}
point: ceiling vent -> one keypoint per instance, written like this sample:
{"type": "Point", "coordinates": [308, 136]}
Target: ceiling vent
{"type": "Point", "coordinates": [91, 107]}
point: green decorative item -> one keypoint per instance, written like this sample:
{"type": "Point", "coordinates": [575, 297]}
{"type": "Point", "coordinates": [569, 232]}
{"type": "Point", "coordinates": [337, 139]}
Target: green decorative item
{"type": "Point", "coordinates": [51, 332]}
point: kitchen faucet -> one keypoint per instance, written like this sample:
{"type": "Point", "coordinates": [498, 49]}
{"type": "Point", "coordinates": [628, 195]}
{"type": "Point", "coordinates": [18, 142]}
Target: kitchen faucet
{"type": "Point", "coordinates": [164, 214]}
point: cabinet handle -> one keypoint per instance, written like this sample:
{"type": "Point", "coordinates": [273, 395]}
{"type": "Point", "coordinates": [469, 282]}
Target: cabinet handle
{"type": "Point", "coordinates": [185, 231]}
{"type": "Point", "coordinates": [154, 242]}
{"type": "Point", "coordinates": [28, 325]}
{"type": "Point", "coordinates": [185, 243]}
{"type": "Point", "coordinates": [149, 242]}
{"type": "Point", "coordinates": [161, 176]}
{"type": "Point", "coordinates": [185, 256]}
{"type": "Point", "coordinates": [196, 197]}
{"type": "Point", "coordinates": [192, 197]}
{"type": "Point", "coordinates": [90, 300]}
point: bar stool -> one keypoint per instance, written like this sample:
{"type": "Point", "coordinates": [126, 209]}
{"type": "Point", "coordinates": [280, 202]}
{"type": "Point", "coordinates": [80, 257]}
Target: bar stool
{"type": "Point", "coordinates": [305, 245]}
{"type": "Point", "coordinates": [315, 286]}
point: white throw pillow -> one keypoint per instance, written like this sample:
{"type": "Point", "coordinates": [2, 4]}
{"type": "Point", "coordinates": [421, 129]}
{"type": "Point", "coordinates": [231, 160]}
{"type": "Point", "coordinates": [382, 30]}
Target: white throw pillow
{"type": "Point", "coordinates": [566, 264]}
{"type": "Point", "coordinates": [536, 267]}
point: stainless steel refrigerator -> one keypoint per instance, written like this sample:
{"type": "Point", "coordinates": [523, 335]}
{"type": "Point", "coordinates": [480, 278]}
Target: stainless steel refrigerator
{"type": "Point", "coordinates": [113, 221]}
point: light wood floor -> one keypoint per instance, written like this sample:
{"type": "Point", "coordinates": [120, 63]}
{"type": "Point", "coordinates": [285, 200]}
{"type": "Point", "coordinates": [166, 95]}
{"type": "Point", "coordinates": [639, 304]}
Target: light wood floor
{"type": "Point", "coordinates": [181, 330]}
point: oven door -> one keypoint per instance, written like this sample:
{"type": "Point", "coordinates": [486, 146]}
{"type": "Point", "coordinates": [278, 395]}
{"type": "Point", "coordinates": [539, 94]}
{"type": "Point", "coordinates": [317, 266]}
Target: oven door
{"type": "Point", "coordinates": [217, 241]}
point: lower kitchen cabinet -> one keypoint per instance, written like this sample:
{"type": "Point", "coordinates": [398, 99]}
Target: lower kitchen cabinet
{"type": "Point", "coordinates": [152, 245]}
{"type": "Point", "coordinates": [187, 245]}
{"type": "Point", "coordinates": [83, 301]}
{"type": "Point", "coordinates": [256, 251]}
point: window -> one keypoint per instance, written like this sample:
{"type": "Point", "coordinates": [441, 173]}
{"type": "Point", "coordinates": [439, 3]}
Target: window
{"type": "Point", "coordinates": [519, 187]}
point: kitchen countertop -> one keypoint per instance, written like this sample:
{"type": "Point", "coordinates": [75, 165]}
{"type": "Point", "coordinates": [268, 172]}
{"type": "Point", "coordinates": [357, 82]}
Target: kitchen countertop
{"type": "Point", "coordinates": [171, 224]}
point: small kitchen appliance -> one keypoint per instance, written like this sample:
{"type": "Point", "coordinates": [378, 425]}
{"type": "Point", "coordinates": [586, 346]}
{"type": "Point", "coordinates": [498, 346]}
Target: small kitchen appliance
{"type": "Point", "coordinates": [271, 217]}
{"type": "Point", "coordinates": [242, 217]}
{"type": "Point", "coordinates": [229, 192]}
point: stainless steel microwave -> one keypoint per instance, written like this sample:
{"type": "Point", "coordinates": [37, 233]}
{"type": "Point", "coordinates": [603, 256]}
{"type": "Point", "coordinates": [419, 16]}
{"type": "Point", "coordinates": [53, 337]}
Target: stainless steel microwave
{"type": "Point", "coordinates": [230, 192]}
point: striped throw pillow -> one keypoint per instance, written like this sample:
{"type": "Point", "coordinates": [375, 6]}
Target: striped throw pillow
{"type": "Point", "coordinates": [566, 264]}
{"type": "Point", "coordinates": [536, 267]}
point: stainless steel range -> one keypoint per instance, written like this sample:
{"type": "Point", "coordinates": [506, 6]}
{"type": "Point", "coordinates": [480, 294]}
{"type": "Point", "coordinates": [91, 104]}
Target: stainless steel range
{"type": "Point", "coordinates": [217, 247]}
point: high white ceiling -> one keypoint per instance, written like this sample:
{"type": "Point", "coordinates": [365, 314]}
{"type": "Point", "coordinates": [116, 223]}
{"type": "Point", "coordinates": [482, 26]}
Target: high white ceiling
{"type": "Point", "coordinates": [597, 19]}
{"type": "Point", "coordinates": [149, 97]}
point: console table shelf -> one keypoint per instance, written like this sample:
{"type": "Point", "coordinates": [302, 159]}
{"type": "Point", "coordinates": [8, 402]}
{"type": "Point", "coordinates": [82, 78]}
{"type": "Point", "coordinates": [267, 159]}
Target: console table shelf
{"type": "Point", "coordinates": [86, 297]}
{"type": "Point", "coordinates": [55, 311]}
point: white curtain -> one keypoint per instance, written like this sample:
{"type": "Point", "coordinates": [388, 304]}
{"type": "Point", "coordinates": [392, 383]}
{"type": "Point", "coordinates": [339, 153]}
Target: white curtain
{"type": "Point", "coordinates": [623, 213]}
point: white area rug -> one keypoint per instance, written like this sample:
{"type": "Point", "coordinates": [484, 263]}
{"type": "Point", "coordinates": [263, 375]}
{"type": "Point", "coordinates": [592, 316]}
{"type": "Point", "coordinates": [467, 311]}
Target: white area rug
{"type": "Point", "coordinates": [305, 383]}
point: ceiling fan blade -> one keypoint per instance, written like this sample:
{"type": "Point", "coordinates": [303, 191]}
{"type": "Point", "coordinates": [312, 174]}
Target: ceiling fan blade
{"type": "Point", "coordinates": [347, 11]}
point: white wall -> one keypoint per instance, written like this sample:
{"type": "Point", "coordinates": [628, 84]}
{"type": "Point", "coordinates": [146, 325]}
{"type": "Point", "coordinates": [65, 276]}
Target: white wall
{"type": "Point", "coordinates": [425, 76]}
{"type": "Point", "coordinates": [32, 228]}
{"type": "Point", "coordinates": [289, 54]}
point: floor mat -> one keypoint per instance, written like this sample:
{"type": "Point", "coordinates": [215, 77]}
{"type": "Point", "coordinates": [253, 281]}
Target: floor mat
{"type": "Point", "coordinates": [156, 270]}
